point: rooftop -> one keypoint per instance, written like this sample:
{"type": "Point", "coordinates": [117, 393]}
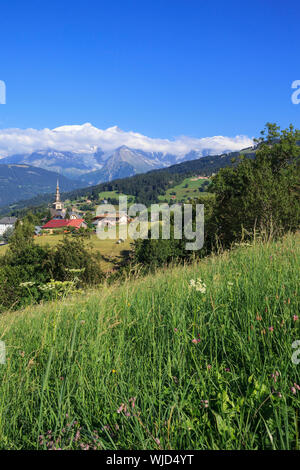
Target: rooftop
{"type": "Point", "coordinates": [8, 220]}
{"type": "Point", "coordinates": [59, 223]}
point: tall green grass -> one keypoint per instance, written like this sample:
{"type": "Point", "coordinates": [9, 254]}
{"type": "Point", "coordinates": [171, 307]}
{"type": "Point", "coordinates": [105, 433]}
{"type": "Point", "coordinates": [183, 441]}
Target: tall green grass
{"type": "Point", "coordinates": [118, 368]}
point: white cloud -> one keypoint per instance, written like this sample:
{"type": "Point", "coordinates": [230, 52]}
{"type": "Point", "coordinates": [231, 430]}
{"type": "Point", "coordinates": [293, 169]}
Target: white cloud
{"type": "Point", "coordinates": [86, 138]}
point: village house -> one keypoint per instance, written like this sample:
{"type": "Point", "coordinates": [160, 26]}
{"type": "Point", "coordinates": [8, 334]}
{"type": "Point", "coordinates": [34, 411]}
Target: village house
{"type": "Point", "coordinates": [7, 222]}
{"type": "Point", "coordinates": [74, 215]}
{"type": "Point", "coordinates": [111, 219]}
{"type": "Point", "coordinates": [55, 224]}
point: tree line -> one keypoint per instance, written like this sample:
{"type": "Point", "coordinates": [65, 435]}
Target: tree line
{"type": "Point", "coordinates": [257, 196]}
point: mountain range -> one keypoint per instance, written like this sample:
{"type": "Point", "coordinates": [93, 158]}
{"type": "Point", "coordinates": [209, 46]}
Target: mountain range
{"type": "Point", "coordinates": [99, 166]}
{"type": "Point", "coordinates": [86, 156]}
{"type": "Point", "coordinates": [145, 187]}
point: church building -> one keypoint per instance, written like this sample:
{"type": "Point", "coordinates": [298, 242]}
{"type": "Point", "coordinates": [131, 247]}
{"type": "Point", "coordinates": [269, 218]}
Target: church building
{"type": "Point", "coordinates": [58, 210]}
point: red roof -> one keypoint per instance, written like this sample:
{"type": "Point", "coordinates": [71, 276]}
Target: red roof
{"type": "Point", "coordinates": [59, 223]}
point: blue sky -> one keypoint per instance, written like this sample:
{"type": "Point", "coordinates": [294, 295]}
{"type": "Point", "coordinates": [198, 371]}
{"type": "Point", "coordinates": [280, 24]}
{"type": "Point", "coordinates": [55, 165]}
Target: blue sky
{"type": "Point", "coordinates": [163, 68]}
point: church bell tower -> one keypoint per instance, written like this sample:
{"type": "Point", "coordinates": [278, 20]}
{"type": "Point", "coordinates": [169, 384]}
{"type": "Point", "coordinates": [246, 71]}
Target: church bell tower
{"type": "Point", "coordinates": [57, 204]}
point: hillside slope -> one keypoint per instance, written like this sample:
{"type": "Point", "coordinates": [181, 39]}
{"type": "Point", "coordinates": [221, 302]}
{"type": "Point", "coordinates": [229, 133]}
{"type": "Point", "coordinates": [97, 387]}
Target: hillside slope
{"type": "Point", "coordinates": [24, 182]}
{"type": "Point", "coordinates": [153, 363]}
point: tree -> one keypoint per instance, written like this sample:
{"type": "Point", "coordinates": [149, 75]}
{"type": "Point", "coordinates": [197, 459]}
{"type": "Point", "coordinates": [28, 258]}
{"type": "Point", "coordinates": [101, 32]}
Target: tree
{"type": "Point", "coordinates": [8, 234]}
{"type": "Point", "coordinates": [261, 193]}
{"type": "Point", "coordinates": [22, 237]}
{"type": "Point", "coordinates": [71, 253]}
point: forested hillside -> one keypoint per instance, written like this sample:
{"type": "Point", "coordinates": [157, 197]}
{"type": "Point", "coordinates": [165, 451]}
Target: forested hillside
{"type": "Point", "coordinates": [145, 187]}
{"type": "Point", "coordinates": [19, 182]}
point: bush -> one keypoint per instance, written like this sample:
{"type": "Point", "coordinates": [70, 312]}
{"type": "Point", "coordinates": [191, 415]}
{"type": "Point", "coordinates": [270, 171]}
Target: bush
{"type": "Point", "coordinates": [30, 273]}
{"type": "Point", "coordinates": [71, 253]}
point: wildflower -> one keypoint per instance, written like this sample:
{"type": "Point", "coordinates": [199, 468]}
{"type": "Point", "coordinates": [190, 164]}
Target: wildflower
{"type": "Point", "coordinates": [132, 400]}
{"type": "Point", "coordinates": [208, 366]}
{"type": "Point", "coordinates": [293, 390]}
{"type": "Point", "coordinates": [275, 375]}
{"type": "Point", "coordinates": [295, 317]}
{"type": "Point", "coordinates": [195, 340]}
{"type": "Point", "coordinates": [297, 386]}
{"type": "Point", "coordinates": [121, 408]}
{"type": "Point", "coordinates": [271, 328]}
{"type": "Point", "coordinates": [84, 446]}
{"type": "Point", "coordinates": [175, 329]}
{"type": "Point", "coordinates": [199, 285]}
{"type": "Point", "coordinates": [230, 284]}
{"type": "Point", "coordinates": [26, 284]}
{"type": "Point", "coordinates": [258, 317]}
{"type": "Point", "coordinates": [114, 371]}
{"type": "Point", "coordinates": [201, 288]}
{"type": "Point", "coordinates": [82, 322]}
{"type": "Point", "coordinates": [75, 270]}
{"type": "Point", "coordinates": [227, 369]}
{"type": "Point", "coordinates": [157, 441]}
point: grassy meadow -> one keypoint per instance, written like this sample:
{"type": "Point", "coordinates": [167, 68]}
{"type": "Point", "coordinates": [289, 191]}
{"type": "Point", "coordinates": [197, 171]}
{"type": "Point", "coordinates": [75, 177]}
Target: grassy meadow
{"type": "Point", "coordinates": [112, 253]}
{"type": "Point", "coordinates": [182, 192]}
{"type": "Point", "coordinates": [154, 363]}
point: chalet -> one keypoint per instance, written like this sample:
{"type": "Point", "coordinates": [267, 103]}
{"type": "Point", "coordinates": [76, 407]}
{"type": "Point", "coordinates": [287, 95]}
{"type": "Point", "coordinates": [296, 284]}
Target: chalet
{"type": "Point", "coordinates": [74, 215]}
{"type": "Point", "coordinates": [7, 222]}
{"type": "Point", "coordinates": [111, 219]}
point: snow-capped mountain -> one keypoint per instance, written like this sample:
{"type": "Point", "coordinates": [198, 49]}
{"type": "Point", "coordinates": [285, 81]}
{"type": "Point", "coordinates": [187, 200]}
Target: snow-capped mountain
{"type": "Point", "coordinates": [95, 167]}
{"type": "Point", "coordinates": [69, 164]}
{"type": "Point", "coordinates": [99, 166]}
{"type": "Point", "coordinates": [125, 162]}
{"type": "Point", "coordinates": [92, 155]}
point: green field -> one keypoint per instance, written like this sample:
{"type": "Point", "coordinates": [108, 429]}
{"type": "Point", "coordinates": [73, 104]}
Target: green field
{"type": "Point", "coordinates": [112, 195]}
{"type": "Point", "coordinates": [182, 193]}
{"type": "Point", "coordinates": [111, 251]}
{"type": "Point", "coordinates": [153, 363]}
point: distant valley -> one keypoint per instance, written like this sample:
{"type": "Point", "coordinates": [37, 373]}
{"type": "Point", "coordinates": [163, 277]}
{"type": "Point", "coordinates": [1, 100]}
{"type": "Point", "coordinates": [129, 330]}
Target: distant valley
{"type": "Point", "coordinates": [21, 181]}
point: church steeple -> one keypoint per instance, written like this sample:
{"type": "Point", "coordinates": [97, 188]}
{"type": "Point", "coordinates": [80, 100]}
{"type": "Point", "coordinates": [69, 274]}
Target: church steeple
{"type": "Point", "coordinates": [58, 205]}
{"type": "Point", "coordinates": [57, 196]}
